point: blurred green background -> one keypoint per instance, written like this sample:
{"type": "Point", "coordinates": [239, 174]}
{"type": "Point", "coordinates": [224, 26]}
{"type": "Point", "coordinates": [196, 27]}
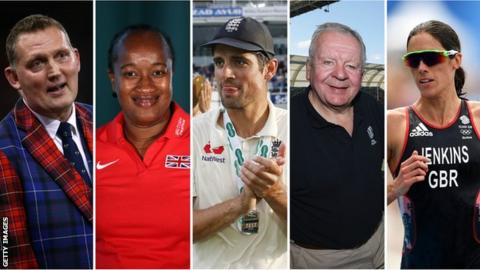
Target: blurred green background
{"type": "Point", "coordinates": [171, 17]}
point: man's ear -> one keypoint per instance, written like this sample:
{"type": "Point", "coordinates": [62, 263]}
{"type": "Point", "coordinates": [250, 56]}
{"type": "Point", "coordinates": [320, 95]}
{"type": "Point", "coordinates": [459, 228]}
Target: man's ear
{"type": "Point", "coordinates": [77, 58]}
{"type": "Point", "coordinates": [271, 68]}
{"type": "Point", "coordinates": [12, 77]}
{"type": "Point", "coordinates": [308, 67]}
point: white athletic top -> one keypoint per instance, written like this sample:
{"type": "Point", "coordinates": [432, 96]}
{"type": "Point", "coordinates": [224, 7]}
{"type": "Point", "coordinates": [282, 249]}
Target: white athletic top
{"type": "Point", "coordinates": [214, 183]}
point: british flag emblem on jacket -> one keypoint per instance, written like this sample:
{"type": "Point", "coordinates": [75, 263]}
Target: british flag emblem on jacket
{"type": "Point", "coordinates": [180, 162]}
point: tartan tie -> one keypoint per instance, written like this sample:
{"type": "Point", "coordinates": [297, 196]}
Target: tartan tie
{"type": "Point", "coordinates": [70, 150]}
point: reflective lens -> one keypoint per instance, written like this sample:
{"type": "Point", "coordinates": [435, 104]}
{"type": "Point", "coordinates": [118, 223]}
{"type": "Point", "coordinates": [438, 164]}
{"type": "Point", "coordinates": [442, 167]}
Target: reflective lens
{"type": "Point", "coordinates": [428, 57]}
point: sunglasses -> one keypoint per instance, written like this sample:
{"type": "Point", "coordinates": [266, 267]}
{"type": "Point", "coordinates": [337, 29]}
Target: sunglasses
{"type": "Point", "coordinates": [428, 57]}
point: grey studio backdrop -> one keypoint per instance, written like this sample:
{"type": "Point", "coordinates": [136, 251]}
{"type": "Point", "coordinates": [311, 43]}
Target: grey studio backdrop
{"type": "Point", "coordinates": [171, 17]}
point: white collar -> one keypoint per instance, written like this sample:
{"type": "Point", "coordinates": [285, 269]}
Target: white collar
{"type": "Point", "coordinates": [269, 129]}
{"type": "Point", "coordinates": [51, 125]}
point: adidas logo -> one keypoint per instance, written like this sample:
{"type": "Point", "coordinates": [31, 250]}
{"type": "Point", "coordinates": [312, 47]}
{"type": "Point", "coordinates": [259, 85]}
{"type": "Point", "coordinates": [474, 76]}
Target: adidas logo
{"type": "Point", "coordinates": [421, 130]}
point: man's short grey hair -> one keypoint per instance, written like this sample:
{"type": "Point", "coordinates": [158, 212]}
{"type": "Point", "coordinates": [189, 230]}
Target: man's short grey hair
{"type": "Point", "coordinates": [339, 28]}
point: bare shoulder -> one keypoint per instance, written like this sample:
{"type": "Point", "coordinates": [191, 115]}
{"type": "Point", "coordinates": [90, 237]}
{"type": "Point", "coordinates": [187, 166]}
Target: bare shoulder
{"type": "Point", "coordinates": [475, 109]}
{"type": "Point", "coordinates": [396, 116]}
{"type": "Point", "coordinates": [396, 129]}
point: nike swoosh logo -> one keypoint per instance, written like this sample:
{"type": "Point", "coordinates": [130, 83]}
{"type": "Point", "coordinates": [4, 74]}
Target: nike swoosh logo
{"type": "Point", "coordinates": [103, 166]}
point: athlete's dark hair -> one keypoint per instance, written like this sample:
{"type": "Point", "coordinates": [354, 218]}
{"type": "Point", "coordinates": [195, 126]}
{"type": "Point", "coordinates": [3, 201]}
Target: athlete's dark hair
{"type": "Point", "coordinates": [449, 40]}
{"type": "Point", "coordinates": [120, 37]}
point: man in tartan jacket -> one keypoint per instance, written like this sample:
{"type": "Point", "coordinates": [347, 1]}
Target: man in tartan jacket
{"type": "Point", "coordinates": [45, 198]}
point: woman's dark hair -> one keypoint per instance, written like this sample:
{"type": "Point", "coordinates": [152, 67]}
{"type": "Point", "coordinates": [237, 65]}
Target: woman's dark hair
{"type": "Point", "coordinates": [449, 40]}
{"type": "Point", "coordinates": [120, 36]}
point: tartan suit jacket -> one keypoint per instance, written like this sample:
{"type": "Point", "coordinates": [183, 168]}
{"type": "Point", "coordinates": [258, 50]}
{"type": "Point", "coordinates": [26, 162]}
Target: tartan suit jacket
{"type": "Point", "coordinates": [14, 217]}
{"type": "Point", "coordinates": [48, 204]}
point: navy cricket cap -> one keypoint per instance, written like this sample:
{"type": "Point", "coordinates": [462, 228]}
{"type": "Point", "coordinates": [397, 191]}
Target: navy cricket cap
{"type": "Point", "coordinates": [244, 33]}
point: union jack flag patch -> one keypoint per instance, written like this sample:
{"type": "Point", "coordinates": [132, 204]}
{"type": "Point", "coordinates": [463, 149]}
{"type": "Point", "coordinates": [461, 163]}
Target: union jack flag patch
{"type": "Point", "coordinates": [180, 162]}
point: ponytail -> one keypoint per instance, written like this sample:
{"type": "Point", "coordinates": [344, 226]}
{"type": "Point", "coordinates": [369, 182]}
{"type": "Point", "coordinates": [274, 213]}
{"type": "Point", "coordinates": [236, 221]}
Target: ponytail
{"type": "Point", "coordinates": [459, 81]}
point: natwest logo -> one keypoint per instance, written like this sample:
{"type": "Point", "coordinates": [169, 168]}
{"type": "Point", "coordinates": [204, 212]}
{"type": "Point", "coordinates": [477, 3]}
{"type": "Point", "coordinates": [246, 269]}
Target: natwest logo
{"type": "Point", "coordinates": [212, 152]}
{"type": "Point", "coordinates": [209, 150]}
